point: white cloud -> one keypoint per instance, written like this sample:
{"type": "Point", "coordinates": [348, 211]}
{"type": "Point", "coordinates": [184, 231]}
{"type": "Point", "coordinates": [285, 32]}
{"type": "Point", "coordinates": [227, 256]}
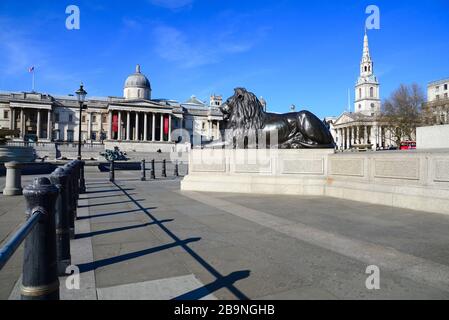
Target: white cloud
{"type": "Point", "coordinates": [172, 4]}
{"type": "Point", "coordinates": [190, 51]}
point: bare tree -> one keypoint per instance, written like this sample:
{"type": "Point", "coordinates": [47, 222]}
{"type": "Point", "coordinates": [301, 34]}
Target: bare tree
{"type": "Point", "coordinates": [401, 112]}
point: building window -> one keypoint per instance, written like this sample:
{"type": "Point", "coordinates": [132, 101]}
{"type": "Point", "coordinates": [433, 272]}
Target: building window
{"type": "Point", "coordinates": [94, 119]}
{"type": "Point", "coordinates": [445, 95]}
{"type": "Point", "coordinates": [360, 93]}
{"type": "Point", "coordinates": [83, 119]}
{"type": "Point", "coordinates": [5, 114]}
{"type": "Point", "coordinates": [105, 118]}
{"type": "Point", "coordinates": [70, 118]}
{"type": "Point", "coordinates": [437, 89]}
{"type": "Point", "coordinates": [360, 106]}
{"type": "Point", "coordinates": [366, 68]}
{"type": "Point", "coordinates": [372, 106]}
{"type": "Point", "coordinates": [56, 117]}
{"type": "Point", "coordinates": [445, 87]}
{"type": "Point", "coordinates": [438, 97]}
{"type": "Point", "coordinates": [371, 92]}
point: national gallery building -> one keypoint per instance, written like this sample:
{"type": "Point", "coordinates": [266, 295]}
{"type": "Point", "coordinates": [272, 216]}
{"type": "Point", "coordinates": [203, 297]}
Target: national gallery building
{"type": "Point", "coordinates": [133, 123]}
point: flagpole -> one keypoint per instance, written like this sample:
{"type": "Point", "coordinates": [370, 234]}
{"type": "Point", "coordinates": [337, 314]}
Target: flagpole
{"type": "Point", "coordinates": [33, 82]}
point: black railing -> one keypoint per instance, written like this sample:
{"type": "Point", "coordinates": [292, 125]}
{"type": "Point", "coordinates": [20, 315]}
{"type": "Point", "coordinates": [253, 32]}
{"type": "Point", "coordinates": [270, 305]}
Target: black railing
{"type": "Point", "coordinates": [14, 243]}
{"type": "Point", "coordinates": [114, 166]}
{"type": "Point", "coordinates": [51, 213]}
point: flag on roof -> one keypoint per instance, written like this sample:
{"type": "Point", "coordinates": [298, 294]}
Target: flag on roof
{"type": "Point", "coordinates": [31, 69]}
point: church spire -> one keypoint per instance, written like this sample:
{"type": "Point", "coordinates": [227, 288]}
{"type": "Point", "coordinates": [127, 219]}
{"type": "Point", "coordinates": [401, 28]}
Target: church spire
{"type": "Point", "coordinates": [366, 55]}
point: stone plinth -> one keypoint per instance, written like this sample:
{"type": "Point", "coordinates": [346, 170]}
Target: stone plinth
{"type": "Point", "coordinates": [435, 137]}
{"type": "Point", "coordinates": [406, 179]}
{"type": "Point", "coordinates": [13, 186]}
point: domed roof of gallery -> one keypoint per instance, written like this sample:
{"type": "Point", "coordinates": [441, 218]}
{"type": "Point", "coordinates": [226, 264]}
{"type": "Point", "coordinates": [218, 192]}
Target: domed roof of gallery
{"type": "Point", "coordinates": [137, 80]}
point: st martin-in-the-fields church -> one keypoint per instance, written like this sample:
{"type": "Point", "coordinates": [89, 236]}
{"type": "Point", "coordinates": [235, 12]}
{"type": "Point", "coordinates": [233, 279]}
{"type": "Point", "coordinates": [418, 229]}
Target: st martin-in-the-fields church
{"type": "Point", "coordinates": [361, 128]}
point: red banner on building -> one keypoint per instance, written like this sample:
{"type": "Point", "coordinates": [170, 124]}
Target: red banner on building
{"type": "Point", "coordinates": [115, 123]}
{"type": "Point", "coordinates": [166, 124]}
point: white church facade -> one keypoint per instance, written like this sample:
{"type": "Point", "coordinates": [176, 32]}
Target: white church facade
{"type": "Point", "coordinates": [360, 128]}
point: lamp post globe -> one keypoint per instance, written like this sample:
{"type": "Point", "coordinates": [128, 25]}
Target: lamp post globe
{"type": "Point", "coordinates": [81, 96]}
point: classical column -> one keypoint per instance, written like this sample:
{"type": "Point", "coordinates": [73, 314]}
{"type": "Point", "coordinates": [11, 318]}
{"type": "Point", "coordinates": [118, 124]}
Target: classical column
{"type": "Point", "coordinates": [145, 127]}
{"type": "Point", "coordinates": [169, 127]}
{"type": "Point", "coordinates": [110, 125]}
{"type": "Point", "coordinates": [374, 137]}
{"type": "Point", "coordinates": [137, 138]}
{"type": "Point", "coordinates": [38, 125]}
{"type": "Point", "coordinates": [351, 136]}
{"type": "Point", "coordinates": [119, 125]}
{"type": "Point", "coordinates": [162, 127]}
{"type": "Point", "coordinates": [210, 129]}
{"type": "Point", "coordinates": [355, 134]}
{"type": "Point", "coordinates": [128, 126]}
{"type": "Point", "coordinates": [89, 127]}
{"type": "Point", "coordinates": [153, 128]}
{"type": "Point", "coordinates": [13, 119]}
{"type": "Point", "coordinates": [346, 138]}
{"type": "Point", "coordinates": [22, 125]}
{"type": "Point", "coordinates": [365, 135]}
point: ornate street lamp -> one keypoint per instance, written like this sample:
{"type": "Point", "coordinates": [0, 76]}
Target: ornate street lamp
{"type": "Point", "coordinates": [81, 95]}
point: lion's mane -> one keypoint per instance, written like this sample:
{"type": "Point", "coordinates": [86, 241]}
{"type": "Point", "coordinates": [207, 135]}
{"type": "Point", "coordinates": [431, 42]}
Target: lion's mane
{"type": "Point", "coordinates": [246, 115]}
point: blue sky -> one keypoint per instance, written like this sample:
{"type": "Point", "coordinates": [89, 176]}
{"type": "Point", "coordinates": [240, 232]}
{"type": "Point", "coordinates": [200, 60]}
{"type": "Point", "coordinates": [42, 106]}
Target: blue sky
{"type": "Point", "coordinates": [305, 53]}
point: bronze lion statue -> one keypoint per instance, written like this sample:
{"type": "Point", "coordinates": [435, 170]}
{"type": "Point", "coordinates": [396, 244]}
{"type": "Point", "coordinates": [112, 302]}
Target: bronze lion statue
{"type": "Point", "coordinates": [247, 125]}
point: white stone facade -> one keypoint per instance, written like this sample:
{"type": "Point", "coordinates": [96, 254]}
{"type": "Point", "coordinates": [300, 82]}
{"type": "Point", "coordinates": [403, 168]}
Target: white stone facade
{"type": "Point", "coordinates": [134, 118]}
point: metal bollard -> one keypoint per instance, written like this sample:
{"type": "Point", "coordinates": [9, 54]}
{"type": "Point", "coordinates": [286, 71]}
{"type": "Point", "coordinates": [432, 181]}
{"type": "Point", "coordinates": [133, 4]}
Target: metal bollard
{"type": "Point", "coordinates": [76, 165]}
{"type": "Point", "coordinates": [13, 185]}
{"type": "Point", "coordinates": [62, 217]}
{"type": "Point", "coordinates": [164, 168]}
{"type": "Point", "coordinates": [153, 170]}
{"type": "Point", "coordinates": [82, 180]}
{"type": "Point", "coordinates": [71, 199]}
{"type": "Point", "coordinates": [112, 171]}
{"type": "Point", "coordinates": [40, 275]}
{"type": "Point", "coordinates": [176, 169]}
{"type": "Point", "coordinates": [144, 173]}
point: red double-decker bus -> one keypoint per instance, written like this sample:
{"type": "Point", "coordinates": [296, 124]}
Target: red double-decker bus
{"type": "Point", "coordinates": [408, 145]}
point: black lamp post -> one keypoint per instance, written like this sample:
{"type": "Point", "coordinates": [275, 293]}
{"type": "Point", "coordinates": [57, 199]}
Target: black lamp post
{"type": "Point", "coordinates": [81, 95]}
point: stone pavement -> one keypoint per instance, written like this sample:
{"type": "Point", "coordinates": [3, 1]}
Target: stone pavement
{"type": "Point", "coordinates": [149, 240]}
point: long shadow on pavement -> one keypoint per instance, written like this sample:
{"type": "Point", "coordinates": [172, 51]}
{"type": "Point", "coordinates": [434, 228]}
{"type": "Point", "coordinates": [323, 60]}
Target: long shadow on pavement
{"type": "Point", "coordinates": [111, 196]}
{"type": "Point", "coordinates": [113, 213]}
{"type": "Point", "coordinates": [86, 267]}
{"type": "Point", "coordinates": [218, 284]}
{"type": "Point", "coordinates": [106, 191]}
{"type": "Point", "coordinates": [222, 281]}
{"type": "Point", "coordinates": [97, 233]}
{"type": "Point", "coordinates": [107, 203]}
